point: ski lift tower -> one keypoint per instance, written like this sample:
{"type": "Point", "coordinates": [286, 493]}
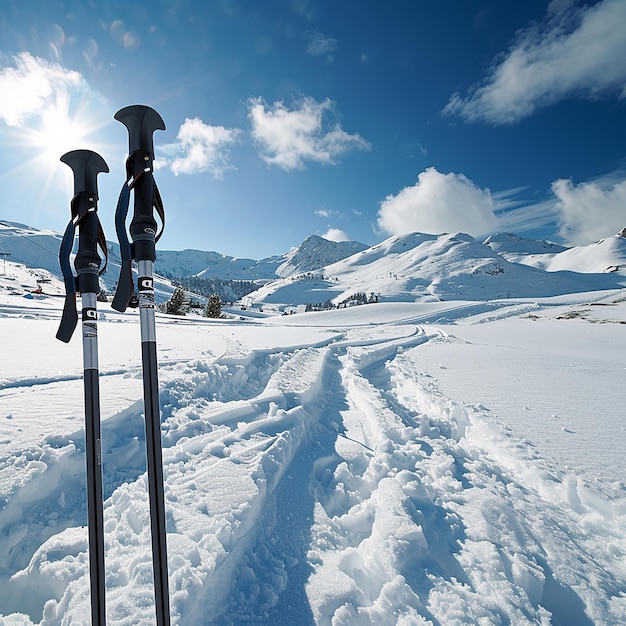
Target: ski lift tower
{"type": "Point", "coordinates": [4, 256]}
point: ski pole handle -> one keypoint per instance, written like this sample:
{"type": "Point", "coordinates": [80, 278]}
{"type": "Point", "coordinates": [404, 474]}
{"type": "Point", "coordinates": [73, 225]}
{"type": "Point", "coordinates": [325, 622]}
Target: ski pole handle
{"type": "Point", "coordinates": [86, 165]}
{"type": "Point", "coordinates": [141, 121]}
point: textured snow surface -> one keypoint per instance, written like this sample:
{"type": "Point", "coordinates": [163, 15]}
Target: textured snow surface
{"type": "Point", "coordinates": [360, 466]}
{"type": "Point", "coordinates": [430, 459]}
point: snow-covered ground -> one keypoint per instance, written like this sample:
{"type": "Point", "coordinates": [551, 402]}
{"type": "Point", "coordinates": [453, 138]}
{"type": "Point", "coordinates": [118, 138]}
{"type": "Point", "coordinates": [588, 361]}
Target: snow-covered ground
{"type": "Point", "coordinates": [454, 462]}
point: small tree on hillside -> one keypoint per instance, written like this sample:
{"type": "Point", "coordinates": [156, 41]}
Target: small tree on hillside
{"type": "Point", "coordinates": [176, 304]}
{"type": "Point", "coordinates": [213, 306]}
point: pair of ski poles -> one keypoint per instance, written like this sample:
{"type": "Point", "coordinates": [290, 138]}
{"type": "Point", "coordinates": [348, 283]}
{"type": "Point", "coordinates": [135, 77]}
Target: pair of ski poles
{"type": "Point", "coordinates": [141, 122]}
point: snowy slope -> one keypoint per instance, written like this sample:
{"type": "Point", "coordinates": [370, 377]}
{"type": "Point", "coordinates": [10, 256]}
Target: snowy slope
{"type": "Point", "coordinates": [420, 267]}
{"type": "Point", "coordinates": [30, 246]}
{"type": "Point", "coordinates": [350, 467]}
{"type": "Point", "coordinates": [510, 245]}
{"type": "Point", "coordinates": [605, 255]}
{"type": "Point", "coordinates": [314, 252]}
{"type": "Point", "coordinates": [36, 250]}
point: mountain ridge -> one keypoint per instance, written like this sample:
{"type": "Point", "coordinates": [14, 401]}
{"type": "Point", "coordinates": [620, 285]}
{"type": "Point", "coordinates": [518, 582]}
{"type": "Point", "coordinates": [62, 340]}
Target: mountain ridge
{"type": "Point", "coordinates": [422, 267]}
{"type": "Point", "coordinates": [410, 267]}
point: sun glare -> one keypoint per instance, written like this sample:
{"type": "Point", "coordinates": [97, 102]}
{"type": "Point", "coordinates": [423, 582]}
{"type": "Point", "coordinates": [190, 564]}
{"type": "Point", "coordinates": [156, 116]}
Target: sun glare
{"type": "Point", "coordinates": [59, 127]}
{"type": "Point", "coordinates": [58, 133]}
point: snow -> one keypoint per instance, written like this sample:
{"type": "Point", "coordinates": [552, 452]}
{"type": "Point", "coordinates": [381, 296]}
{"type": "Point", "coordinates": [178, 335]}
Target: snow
{"type": "Point", "coordinates": [605, 255]}
{"type": "Point", "coordinates": [316, 252]}
{"type": "Point", "coordinates": [313, 253]}
{"type": "Point", "coordinates": [430, 459]}
{"type": "Point", "coordinates": [421, 267]}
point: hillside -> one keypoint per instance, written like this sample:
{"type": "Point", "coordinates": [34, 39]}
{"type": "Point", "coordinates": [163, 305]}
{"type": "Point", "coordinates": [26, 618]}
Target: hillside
{"type": "Point", "coordinates": [31, 250]}
{"type": "Point", "coordinates": [313, 253]}
{"type": "Point", "coordinates": [184, 263]}
{"type": "Point", "coordinates": [605, 255]}
{"type": "Point", "coordinates": [509, 244]}
{"type": "Point", "coordinates": [419, 267]}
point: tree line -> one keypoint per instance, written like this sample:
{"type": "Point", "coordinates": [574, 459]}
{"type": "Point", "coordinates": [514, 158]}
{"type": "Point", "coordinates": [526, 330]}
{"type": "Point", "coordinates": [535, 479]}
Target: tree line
{"type": "Point", "coordinates": [227, 290]}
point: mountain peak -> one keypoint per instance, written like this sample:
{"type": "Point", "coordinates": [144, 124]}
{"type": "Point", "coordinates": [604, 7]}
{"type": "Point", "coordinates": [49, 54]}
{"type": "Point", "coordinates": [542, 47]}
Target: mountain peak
{"type": "Point", "coordinates": [314, 253]}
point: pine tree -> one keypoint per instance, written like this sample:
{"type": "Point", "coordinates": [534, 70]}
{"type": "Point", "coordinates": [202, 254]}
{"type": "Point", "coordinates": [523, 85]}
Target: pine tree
{"type": "Point", "coordinates": [213, 306]}
{"type": "Point", "coordinates": [175, 305]}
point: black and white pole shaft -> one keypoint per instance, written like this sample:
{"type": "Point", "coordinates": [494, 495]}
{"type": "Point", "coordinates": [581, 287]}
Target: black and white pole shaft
{"type": "Point", "coordinates": [154, 454]}
{"type": "Point", "coordinates": [141, 122]}
{"type": "Point", "coordinates": [86, 165]}
{"type": "Point", "coordinates": [93, 446]}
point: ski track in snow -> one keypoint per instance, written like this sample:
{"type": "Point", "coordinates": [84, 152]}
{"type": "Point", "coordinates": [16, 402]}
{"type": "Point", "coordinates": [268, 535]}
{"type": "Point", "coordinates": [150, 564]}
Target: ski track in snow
{"type": "Point", "coordinates": [333, 476]}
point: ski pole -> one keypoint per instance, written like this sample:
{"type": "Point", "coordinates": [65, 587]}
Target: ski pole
{"type": "Point", "coordinates": [86, 166]}
{"type": "Point", "coordinates": [141, 122]}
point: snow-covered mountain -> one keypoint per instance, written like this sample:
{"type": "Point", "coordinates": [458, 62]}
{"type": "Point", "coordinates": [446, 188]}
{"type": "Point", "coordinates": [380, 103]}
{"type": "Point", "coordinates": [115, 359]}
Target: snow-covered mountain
{"type": "Point", "coordinates": [509, 244]}
{"type": "Point", "coordinates": [413, 267]}
{"type": "Point", "coordinates": [316, 252]}
{"type": "Point", "coordinates": [204, 264]}
{"type": "Point", "coordinates": [312, 254]}
{"type": "Point", "coordinates": [39, 249]}
{"type": "Point", "coordinates": [419, 267]}
{"type": "Point", "coordinates": [605, 255]}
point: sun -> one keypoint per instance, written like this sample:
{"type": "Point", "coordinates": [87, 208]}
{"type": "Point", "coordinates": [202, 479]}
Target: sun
{"type": "Point", "coordinates": [58, 130]}
{"type": "Point", "coordinates": [59, 134]}
{"type": "Point", "coordinates": [47, 111]}
{"type": "Point", "coordinates": [63, 122]}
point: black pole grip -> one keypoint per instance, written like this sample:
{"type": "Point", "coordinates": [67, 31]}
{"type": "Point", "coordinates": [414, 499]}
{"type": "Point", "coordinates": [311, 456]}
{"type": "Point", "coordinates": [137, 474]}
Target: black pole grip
{"type": "Point", "coordinates": [141, 122]}
{"type": "Point", "coordinates": [87, 261]}
{"type": "Point", "coordinates": [86, 166]}
{"type": "Point", "coordinates": [143, 226]}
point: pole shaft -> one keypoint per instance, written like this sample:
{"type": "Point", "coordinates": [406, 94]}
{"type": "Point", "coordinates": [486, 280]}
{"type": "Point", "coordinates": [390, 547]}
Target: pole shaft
{"type": "Point", "coordinates": [154, 452]}
{"type": "Point", "coordinates": [93, 460]}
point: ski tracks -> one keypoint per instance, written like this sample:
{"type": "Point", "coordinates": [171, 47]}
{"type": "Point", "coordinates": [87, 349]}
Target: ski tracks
{"type": "Point", "coordinates": [339, 479]}
{"type": "Point", "coordinates": [431, 513]}
{"type": "Point", "coordinates": [231, 429]}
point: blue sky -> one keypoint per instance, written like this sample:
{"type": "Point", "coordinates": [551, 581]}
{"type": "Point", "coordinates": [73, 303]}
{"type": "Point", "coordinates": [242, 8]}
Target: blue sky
{"type": "Point", "coordinates": [350, 119]}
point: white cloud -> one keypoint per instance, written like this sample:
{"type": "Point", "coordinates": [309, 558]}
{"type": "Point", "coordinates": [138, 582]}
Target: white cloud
{"type": "Point", "coordinates": [290, 137]}
{"type": "Point", "coordinates": [578, 52]}
{"type": "Point", "coordinates": [323, 212]}
{"type": "Point", "coordinates": [588, 211]}
{"type": "Point", "coordinates": [439, 203]}
{"type": "Point", "coordinates": [321, 45]}
{"type": "Point", "coordinates": [31, 86]}
{"type": "Point", "coordinates": [335, 234]}
{"type": "Point", "coordinates": [199, 147]}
